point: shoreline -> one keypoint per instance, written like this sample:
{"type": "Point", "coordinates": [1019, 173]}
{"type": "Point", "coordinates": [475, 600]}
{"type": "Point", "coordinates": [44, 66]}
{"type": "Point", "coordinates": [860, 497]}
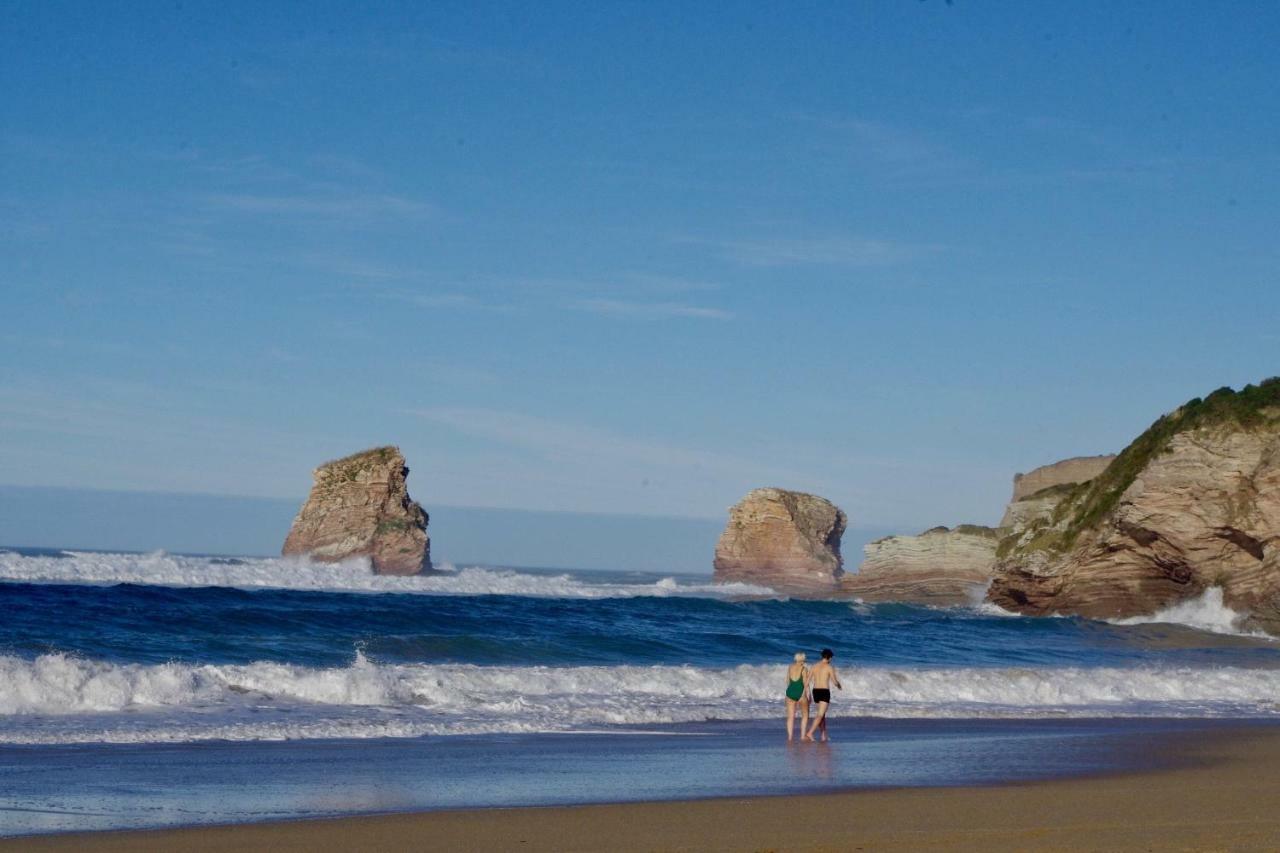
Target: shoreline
{"type": "Point", "coordinates": [1217, 792]}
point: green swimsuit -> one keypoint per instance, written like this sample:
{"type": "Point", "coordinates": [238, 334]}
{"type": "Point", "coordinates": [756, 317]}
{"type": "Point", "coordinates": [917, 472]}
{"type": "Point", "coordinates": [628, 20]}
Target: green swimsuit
{"type": "Point", "coordinates": [795, 689]}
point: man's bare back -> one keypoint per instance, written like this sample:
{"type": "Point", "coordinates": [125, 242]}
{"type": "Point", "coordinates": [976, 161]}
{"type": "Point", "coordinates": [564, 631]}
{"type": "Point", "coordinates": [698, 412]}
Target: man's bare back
{"type": "Point", "coordinates": [822, 674]}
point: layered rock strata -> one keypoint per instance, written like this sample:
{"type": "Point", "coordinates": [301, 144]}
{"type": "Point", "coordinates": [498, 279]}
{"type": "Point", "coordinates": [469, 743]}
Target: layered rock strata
{"type": "Point", "coordinates": [949, 566]}
{"type": "Point", "coordinates": [359, 506]}
{"type": "Point", "coordinates": [789, 541]}
{"type": "Point", "coordinates": [940, 566]}
{"type": "Point", "coordinates": [1192, 503]}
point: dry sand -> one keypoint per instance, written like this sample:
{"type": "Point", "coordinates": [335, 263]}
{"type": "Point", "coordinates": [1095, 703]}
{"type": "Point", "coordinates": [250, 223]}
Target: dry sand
{"type": "Point", "coordinates": [1225, 797]}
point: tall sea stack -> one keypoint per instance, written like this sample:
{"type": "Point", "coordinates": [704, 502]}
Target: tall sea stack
{"type": "Point", "coordinates": [359, 506]}
{"type": "Point", "coordinates": [789, 541]}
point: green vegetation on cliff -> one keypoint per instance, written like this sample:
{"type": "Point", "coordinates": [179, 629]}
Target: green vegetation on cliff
{"type": "Point", "coordinates": [976, 530]}
{"type": "Point", "coordinates": [1051, 491]}
{"type": "Point", "coordinates": [348, 468]}
{"type": "Point", "coordinates": [1086, 504]}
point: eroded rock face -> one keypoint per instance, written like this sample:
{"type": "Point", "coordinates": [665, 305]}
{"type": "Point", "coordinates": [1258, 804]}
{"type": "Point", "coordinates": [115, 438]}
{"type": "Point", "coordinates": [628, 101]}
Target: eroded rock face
{"type": "Point", "coordinates": [1043, 487]}
{"type": "Point", "coordinates": [789, 541]}
{"type": "Point", "coordinates": [940, 566]}
{"type": "Point", "coordinates": [359, 506]}
{"type": "Point", "coordinates": [950, 566]}
{"type": "Point", "coordinates": [1184, 509]}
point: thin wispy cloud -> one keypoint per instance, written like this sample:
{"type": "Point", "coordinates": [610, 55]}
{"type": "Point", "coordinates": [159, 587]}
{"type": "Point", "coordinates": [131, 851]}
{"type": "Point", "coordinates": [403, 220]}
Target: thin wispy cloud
{"type": "Point", "coordinates": [578, 444]}
{"type": "Point", "coordinates": [668, 283]}
{"type": "Point", "coordinates": [631, 295]}
{"type": "Point", "coordinates": [839, 251]}
{"type": "Point", "coordinates": [651, 310]}
{"type": "Point", "coordinates": [460, 375]}
{"type": "Point", "coordinates": [894, 151]}
{"type": "Point", "coordinates": [348, 167]}
{"type": "Point", "coordinates": [359, 205]}
{"type": "Point", "coordinates": [441, 299]}
{"type": "Point", "coordinates": [357, 267]}
{"type": "Point", "coordinates": [896, 145]}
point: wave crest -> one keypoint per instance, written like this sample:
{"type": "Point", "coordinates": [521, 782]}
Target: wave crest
{"type": "Point", "coordinates": [162, 569]}
{"type": "Point", "coordinates": [59, 698]}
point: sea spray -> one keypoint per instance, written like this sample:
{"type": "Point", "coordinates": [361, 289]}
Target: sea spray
{"type": "Point", "coordinates": [163, 569]}
{"type": "Point", "coordinates": [1205, 612]}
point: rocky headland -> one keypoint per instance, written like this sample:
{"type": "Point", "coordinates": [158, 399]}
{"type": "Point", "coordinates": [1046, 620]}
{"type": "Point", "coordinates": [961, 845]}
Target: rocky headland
{"type": "Point", "coordinates": [359, 506]}
{"type": "Point", "coordinates": [1193, 503]}
{"type": "Point", "coordinates": [1040, 489]}
{"type": "Point", "coordinates": [948, 566]}
{"type": "Point", "coordinates": [1190, 505]}
{"type": "Point", "coordinates": [942, 566]}
{"type": "Point", "coordinates": [789, 541]}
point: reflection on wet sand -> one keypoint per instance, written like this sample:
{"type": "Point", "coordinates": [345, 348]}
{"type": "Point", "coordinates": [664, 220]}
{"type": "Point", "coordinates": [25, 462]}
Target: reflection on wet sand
{"type": "Point", "coordinates": [812, 759]}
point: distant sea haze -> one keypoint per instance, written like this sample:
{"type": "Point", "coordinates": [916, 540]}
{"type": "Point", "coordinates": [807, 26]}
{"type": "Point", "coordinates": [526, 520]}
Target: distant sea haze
{"type": "Point", "coordinates": [50, 517]}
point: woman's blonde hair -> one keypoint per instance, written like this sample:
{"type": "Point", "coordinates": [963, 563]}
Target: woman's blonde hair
{"type": "Point", "coordinates": [799, 657]}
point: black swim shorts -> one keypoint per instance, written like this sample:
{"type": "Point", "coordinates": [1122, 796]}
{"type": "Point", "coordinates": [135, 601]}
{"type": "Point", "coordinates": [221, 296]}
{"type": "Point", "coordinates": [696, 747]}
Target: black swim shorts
{"type": "Point", "coordinates": [821, 694]}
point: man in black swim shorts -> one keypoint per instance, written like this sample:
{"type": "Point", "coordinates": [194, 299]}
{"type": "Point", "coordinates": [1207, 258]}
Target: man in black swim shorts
{"type": "Point", "coordinates": [821, 677]}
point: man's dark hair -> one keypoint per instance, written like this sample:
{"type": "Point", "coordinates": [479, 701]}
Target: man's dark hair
{"type": "Point", "coordinates": [827, 654]}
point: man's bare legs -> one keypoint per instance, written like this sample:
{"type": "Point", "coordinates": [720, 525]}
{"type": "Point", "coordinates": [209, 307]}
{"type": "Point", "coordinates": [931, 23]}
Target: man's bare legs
{"type": "Point", "coordinates": [819, 722]}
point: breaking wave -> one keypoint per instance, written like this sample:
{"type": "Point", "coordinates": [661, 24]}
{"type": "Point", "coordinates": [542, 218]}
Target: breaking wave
{"type": "Point", "coordinates": [57, 698]}
{"type": "Point", "coordinates": [163, 569]}
{"type": "Point", "coordinates": [1206, 612]}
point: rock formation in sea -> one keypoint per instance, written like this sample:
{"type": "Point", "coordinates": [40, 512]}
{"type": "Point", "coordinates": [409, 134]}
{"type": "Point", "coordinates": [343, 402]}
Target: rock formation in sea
{"type": "Point", "coordinates": [359, 506]}
{"type": "Point", "coordinates": [1042, 487]}
{"type": "Point", "coordinates": [789, 541]}
{"type": "Point", "coordinates": [1192, 503]}
{"type": "Point", "coordinates": [942, 566]}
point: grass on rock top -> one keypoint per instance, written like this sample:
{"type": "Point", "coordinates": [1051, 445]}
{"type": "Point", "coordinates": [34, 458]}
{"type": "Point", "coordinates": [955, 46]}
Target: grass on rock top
{"type": "Point", "coordinates": [348, 468]}
{"type": "Point", "coordinates": [977, 530]}
{"type": "Point", "coordinates": [1086, 504]}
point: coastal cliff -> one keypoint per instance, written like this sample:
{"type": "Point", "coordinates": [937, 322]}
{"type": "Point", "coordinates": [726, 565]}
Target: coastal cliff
{"type": "Point", "coordinates": [789, 541]}
{"type": "Point", "coordinates": [948, 566]}
{"type": "Point", "coordinates": [940, 566]}
{"type": "Point", "coordinates": [1192, 503]}
{"type": "Point", "coordinates": [359, 506]}
{"type": "Point", "coordinates": [1040, 489]}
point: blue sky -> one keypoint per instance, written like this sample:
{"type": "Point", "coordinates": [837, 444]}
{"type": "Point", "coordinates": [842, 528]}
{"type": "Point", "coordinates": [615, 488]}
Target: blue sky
{"type": "Point", "coordinates": [627, 258]}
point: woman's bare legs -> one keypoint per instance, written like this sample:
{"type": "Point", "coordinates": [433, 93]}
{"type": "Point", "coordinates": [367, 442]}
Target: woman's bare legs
{"type": "Point", "coordinates": [791, 718]}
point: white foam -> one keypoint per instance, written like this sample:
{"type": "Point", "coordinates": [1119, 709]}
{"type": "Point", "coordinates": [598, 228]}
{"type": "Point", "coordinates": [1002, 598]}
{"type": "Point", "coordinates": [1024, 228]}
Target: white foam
{"type": "Point", "coordinates": [162, 569]}
{"type": "Point", "coordinates": [61, 699]}
{"type": "Point", "coordinates": [1206, 612]}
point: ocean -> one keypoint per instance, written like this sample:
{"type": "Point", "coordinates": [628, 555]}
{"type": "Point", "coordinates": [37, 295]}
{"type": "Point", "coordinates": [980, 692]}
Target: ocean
{"type": "Point", "coordinates": [170, 671]}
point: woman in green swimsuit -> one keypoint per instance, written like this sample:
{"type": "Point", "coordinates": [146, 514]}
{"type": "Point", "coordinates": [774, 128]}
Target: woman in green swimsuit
{"type": "Point", "coordinates": [797, 675]}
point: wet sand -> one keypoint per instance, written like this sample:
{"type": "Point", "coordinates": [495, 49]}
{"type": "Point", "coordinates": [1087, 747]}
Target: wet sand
{"type": "Point", "coordinates": [1222, 794]}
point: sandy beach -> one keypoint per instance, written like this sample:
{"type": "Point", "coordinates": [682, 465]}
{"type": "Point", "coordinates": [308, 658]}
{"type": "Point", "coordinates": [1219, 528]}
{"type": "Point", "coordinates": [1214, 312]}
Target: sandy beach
{"type": "Point", "coordinates": [1221, 797]}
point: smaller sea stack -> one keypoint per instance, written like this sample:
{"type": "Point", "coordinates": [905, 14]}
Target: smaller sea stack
{"type": "Point", "coordinates": [789, 541]}
{"type": "Point", "coordinates": [359, 506]}
{"type": "Point", "coordinates": [942, 567]}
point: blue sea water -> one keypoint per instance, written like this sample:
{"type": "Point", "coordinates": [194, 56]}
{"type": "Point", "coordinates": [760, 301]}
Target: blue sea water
{"type": "Point", "coordinates": [108, 657]}
{"type": "Point", "coordinates": [143, 648]}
